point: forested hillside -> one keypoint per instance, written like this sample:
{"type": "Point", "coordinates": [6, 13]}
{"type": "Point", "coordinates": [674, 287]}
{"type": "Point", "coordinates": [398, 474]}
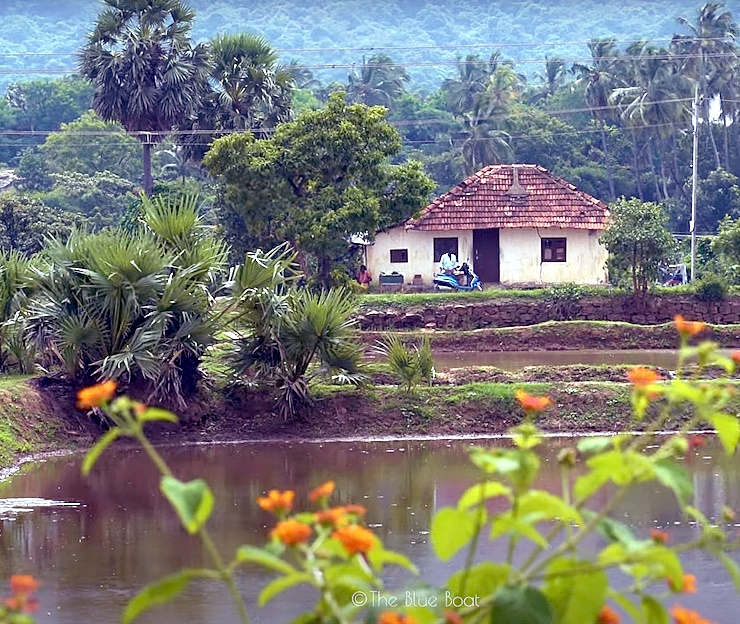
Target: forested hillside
{"type": "Point", "coordinates": [329, 32]}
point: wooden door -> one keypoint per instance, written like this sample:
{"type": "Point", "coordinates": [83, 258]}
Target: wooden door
{"type": "Point", "coordinates": [486, 255]}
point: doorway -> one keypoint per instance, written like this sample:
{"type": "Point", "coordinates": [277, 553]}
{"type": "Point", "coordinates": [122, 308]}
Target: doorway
{"type": "Point", "coordinates": [486, 255]}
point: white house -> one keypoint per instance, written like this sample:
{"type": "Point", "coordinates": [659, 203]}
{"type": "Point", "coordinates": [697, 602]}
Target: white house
{"type": "Point", "coordinates": [510, 223]}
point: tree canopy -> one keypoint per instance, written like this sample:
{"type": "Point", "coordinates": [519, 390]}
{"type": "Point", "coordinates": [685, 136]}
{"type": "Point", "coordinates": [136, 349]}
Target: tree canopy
{"type": "Point", "coordinates": [320, 179]}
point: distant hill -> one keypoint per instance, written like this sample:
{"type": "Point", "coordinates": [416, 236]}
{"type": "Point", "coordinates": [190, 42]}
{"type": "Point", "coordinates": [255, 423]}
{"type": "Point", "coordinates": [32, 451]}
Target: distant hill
{"type": "Point", "coordinates": [329, 32]}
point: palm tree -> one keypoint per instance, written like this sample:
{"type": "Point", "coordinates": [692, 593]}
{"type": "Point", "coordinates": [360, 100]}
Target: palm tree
{"type": "Point", "coordinates": [131, 306]}
{"type": "Point", "coordinates": [146, 73]}
{"type": "Point", "coordinates": [248, 90]}
{"type": "Point", "coordinates": [483, 144]}
{"type": "Point", "coordinates": [708, 48]}
{"type": "Point", "coordinates": [380, 81]}
{"type": "Point", "coordinates": [655, 104]}
{"type": "Point", "coordinates": [600, 79]}
{"type": "Point", "coordinates": [462, 93]}
{"type": "Point", "coordinates": [554, 77]}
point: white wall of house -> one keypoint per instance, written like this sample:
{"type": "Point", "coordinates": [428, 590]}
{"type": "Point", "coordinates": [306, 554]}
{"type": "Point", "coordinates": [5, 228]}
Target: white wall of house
{"type": "Point", "coordinates": [521, 256]}
{"type": "Point", "coordinates": [420, 246]}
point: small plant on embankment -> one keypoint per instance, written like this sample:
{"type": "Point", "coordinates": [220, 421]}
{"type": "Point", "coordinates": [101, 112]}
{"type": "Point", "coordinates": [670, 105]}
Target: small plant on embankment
{"type": "Point", "coordinates": [412, 364]}
{"type": "Point", "coordinates": [547, 576]}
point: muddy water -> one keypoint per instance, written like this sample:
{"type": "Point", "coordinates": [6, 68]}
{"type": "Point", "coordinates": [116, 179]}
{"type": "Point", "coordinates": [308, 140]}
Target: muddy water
{"type": "Point", "coordinates": [94, 541]}
{"type": "Point", "coordinates": [515, 360]}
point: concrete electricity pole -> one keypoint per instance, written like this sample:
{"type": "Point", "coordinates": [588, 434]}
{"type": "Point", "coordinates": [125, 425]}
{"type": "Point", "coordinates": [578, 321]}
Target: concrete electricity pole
{"type": "Point", "coordinates": [694, 179]}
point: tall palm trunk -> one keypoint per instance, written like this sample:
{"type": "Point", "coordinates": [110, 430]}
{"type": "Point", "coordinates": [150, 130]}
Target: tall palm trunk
{"type": "Point", "coordinates": [636, 166]}
{"type": "Point", "coordinates": [651, 158]}
{"type": "Point", "coordinates": [727, 142]}
{"type": "Point", "coordinates": [146, 157]}
{"type": "Point", "coordinates": [607, 161]}
{"type": "Point", "coordinates": [705, 110]}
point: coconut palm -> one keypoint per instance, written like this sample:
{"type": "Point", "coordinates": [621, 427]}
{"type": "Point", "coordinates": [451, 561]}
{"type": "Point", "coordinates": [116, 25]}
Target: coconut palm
{"type": "Point", "coordinates": [146, 73]}
{"type": "Point", "coordinates": [462, 93]}
{"type": "Point", "coordinates": [600, 79]}
{"type": "Point", "coordinates": [379, 81]}
{"type": "Point", "coordinates": [706, 50]}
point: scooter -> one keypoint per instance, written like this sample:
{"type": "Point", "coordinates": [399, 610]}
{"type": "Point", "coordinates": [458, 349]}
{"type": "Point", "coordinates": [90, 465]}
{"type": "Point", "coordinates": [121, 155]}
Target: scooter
{"type": "Point", "coordinates": [449, 281]}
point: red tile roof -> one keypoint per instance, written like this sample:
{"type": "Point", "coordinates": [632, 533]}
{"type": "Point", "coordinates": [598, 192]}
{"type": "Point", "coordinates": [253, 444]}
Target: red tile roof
{"type": "Point", "coordinates": [490, 198]}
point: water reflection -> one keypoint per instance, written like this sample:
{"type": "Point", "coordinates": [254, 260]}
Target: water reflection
{"type": "Point", "coordinates": [121, 534]}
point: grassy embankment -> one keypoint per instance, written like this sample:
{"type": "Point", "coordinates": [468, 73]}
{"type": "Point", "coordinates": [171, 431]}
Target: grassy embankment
{"type": "Point", "coordinates": [38, 415]}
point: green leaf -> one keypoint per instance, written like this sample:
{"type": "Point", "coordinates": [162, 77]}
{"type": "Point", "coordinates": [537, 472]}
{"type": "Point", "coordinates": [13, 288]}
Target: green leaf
{"type": "Point", "coordinates": [521, 605]}
{"type": "Point", "coordinates": [594, 444]}
{"type": "Point", "coordinates": [279, 585]}
{"type": "Point", "coordinates": [251, 554]}
{"type": "Point", "coordinates": [159, 592]}
{"type": "Point", "coordinates": [379, 557]}
{"type": "Point", "coordinates": [482, 579]}
{"type": "Point", "coordinates": [505, 524]}
{"type": "Point", "coordinates": [156, 414]}
{"type": "Point", "coordinates": [626, 605]}
{"type": "Point", "coordinates": [728, 430]}
{"type": "Point", "coordinates": [451, 530]}
{"type": "Point", "coordinates": [614, 530]}
{"type": "Point", "coordinates": [732, 568]}
{"type": "Point", "coordinates": [193, 501]}
{"type": "Point", "coordinates": [422, 615]}
{"type": "Point", "coordinates": [478, 493]}
{"type": "Point", "coordinates": [654, 611]}
{"type": "Point", "coordinates": [676, 478]}
{"type": "Point", "coordinates": [574, 597]}
{"type": "Point", "coordinates": [541, 505]}
{"type": "Point", "coordinates": [589, 484]}
{"type": "Point", "coordinates": [94, 453]}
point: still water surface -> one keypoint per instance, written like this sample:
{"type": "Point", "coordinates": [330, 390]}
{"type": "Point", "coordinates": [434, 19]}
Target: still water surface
{"type": "Point", "coordinates": [115, 533]}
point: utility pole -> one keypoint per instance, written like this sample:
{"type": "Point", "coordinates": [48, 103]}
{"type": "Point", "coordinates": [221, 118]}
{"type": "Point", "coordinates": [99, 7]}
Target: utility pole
{"type": "Point", "coordinates": [694, 179]}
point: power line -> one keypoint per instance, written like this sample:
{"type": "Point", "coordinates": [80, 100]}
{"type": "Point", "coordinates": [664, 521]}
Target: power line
{"type": "Point", "coordinates": [373, 48]}
{"type": "Point", "coordinates": [450, 63]}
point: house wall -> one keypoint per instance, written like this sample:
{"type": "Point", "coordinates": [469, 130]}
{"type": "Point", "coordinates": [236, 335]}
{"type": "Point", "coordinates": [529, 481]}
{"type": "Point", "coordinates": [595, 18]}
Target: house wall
{"type": "Point", "coordinates": [521, 254]}
{"type": "Point", "coordinates": [420, 247]}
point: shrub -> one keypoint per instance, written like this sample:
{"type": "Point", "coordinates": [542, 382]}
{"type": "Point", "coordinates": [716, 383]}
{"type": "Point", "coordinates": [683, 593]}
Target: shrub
{"type": "Point", "coordinates": [711, 288]}
{"type": "Point", "coordinates": [410, 366]}
{"type": "Point", "coordinates": [562, 301]}
{"type": "Point", "coordinates": [133, 306]}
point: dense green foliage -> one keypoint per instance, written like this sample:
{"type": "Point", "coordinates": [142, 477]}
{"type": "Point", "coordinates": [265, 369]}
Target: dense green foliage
{"type": "Point", "coordinates": [133, 306]}
{"type": "Point", "coordinates": [318, 180]}
{"type": "Point", "coordinates": [638, 243]}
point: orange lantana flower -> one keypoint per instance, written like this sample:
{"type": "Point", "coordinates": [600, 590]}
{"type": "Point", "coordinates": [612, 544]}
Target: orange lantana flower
{"type": "Point", "coordinates": [453, 617]}
{"type": "Point", "coordinates": [276, 501]}
{"type": "Point", "coordinates": [735, 355]}
{"type": "Point", "coordinates": [689, 328]}
{"type": "Point", "coordinates": [686, 616]}
{"type": "Point", "coordinates": [336, 516]}
{"type": "Point", "coordinates": [688, 584]}
{"type": "Point", "coordinates": [607, 615]}
{"type": "Point", "coordinates": [533, 403]}
{"type": "Point", "coordinates": [641, 376]}
{"type": "Point", "coordinates": [357, 510]}
{"type": "Point", "coordinates": [23, 584]}
{"type": "Point", "coordinates": [394, 617]}
{"type": "Point", "coordinates": [658, 536]}
{"type": "Point", "coordinates": [325, 490]}
{"type": "Point", "coordinates": [96, 395]}
{"type": "Point", "coordinates": [292, 532]}
{"type": "Point", "coordinates": [355, 539]}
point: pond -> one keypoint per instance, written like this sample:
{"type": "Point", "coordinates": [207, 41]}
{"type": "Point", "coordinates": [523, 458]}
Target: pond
{"type": "Point", "coordinates": [515, 360]}
{"type": "Point", "coordinates": [94, 541]}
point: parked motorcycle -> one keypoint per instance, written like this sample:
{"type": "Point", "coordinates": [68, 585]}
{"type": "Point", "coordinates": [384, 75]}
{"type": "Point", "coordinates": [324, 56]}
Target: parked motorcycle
{"type": "Point", "coordinates": [453, 281]}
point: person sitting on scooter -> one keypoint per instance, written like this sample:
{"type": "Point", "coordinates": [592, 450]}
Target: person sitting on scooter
{"type": "Point", "coordinates": [447, 264]}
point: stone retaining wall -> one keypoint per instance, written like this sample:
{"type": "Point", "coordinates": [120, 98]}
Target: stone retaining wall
{"type": "Point", "coordinates": [513, 312]}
